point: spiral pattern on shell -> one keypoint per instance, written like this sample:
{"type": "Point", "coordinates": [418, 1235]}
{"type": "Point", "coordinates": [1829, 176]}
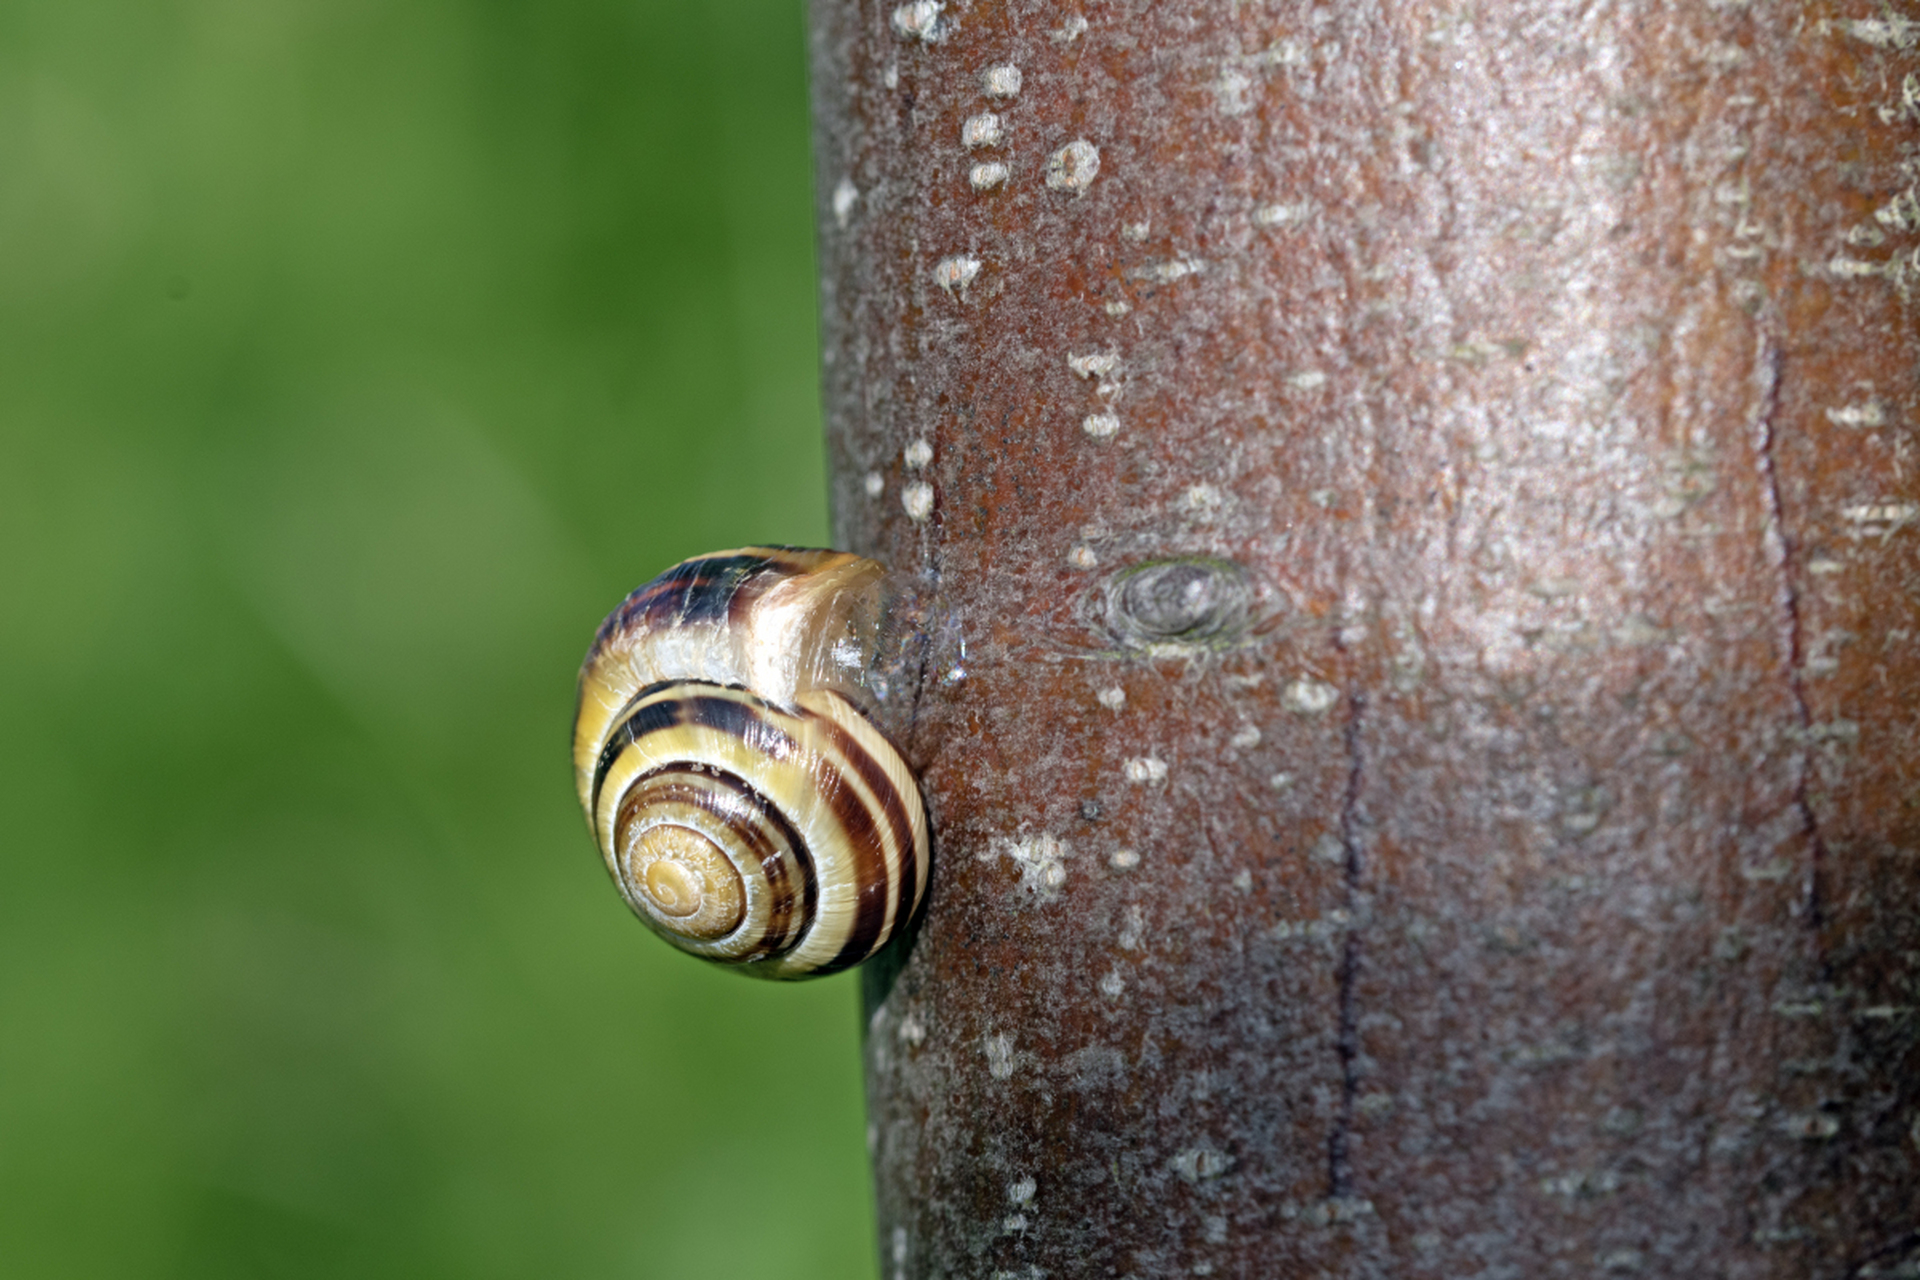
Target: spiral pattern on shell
{"type": "Point", "coordinates": [748, 810]}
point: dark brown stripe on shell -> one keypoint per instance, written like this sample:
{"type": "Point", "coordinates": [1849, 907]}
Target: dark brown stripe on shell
{"type": "Point", "coordinates": [739, 717]}
{"type": "Point", "coordinates": [779, 564]}
{"type": "Point", "coordinates": [893, 805]}
{"type": "Point", "coordinates": [677, 783]}
{"type": "Point", "coordinates": [710, 589]}
{"type": "Point", "coordinates": [670, 786]}
{"type": "Point", "coordinates": [742, 720]}
{"type": "Point", "coordinates": [693, 591]}
{"type": "Point", "coordinates": [638, 722]}
{"type": "Point", "coordinates": [869, 867]}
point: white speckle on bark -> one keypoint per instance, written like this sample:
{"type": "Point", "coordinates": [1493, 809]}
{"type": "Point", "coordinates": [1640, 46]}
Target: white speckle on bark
{"type": "Point", "coordinates": [1307, 380]}
{"type": "Point", "coordinates": [1070, 30]}
{"type": "Point", "coordinates": [1096, 365]}
{"type": "Point", "coordinates": [1321, 1213]}
{"type": "Point", "coordinates": [1867, 414]}
{"type": "Point", "coordinates": [1134, 929]}
{"type": "Point", "coordinates": [1101, 426]}
{"type": "Point", "coordinates": [1123, 859]}
{"type": "Point", "coordinates": [1082, 557]}
{"type": "Point", "coordinates": [982, 130]}
{"type": "Point", "coordinates": [917, 500]}
{"type": "Point", "coordinates": [845, 195]}
{"type": "Point", "coordinates": [1021, 1189]}
{"type": "Point", "coordinates": [1014, 1222]}
{"type": "Point", "coordinates": [919, 20]}
{"type": "Point", "coordinates": [911, 1031]}
{"type": "Point", "coordinates": [1896, 514]}
{"type": "Point", "coordinates": [1323, 930]}
{"type": "Point", "coordinates": [1580, 1182]}
{"type": "Point", "coordinates": [1852, 268]}
{"type": "Point", "coordinates": [999, 1051]}
{"type": "Point", "coordinates": [1146, 769]}
{"type": "Point", "coordinates": [1773, 869]}
{"type": "Point", "coordinates": [1113, 984]}
{"type": "Point", "coordinates": [1246, 737]}
{"type": "Point", "coordinates": [1243, 881]}
{"type": "Point", "coordinates": [1202, 499]}
{"type": "Point", "coordinates": [1216, 1230]}
{"type": "Point", "coordinates": [875, 483]}
{"type": "Point", "coordinates": [1169, 271]}
{"type": "Point", "coordinates": [1902, 213]}
{"type": "Point", "coordinates": [1000, 82]}
{"type": "Point", "coordinates": [1282, 214]}
{"type": "Point", "coordinates": [1809, 1126]}
{"type": "Point", "coordinates": [956, 272]}
{"type": "Point", "coordinates": [1892, 32]}
{"type": "Point", "coordinates": [892, 77]}
{"type": "Point", "coordinates": [1231, 90]}
{"type": "Point", "coordinates": [1119, 307]}
{"type": "Point", "coordinates": [918, 454]}
{"type": "Point", "coordinates": [1136, 231]}
{"type": "Point", "coordinates": [1308, 697]}
{"type": "Point", "coordinates": [988, 175]}
{"type": "Point", "coordinates": [1280, 781]}
{"type": "Point", "coordinates": [1637, 631]}
{"type": "Point", "coordinates": [1041, 862]}
{"type": "Point", "coordinates": [1074, 166]}
{"type": "Point", "coordinates": [1196, 1164]}
{"type": "Point", "coordinates": [1112, 698]}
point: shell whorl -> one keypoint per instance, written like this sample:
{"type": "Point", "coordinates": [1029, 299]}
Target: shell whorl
{"type": "Point", "coordinates": [746, 807]}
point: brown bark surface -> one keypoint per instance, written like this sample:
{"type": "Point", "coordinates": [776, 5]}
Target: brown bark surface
{"type": "Point", "coordinates": [1433, 792]}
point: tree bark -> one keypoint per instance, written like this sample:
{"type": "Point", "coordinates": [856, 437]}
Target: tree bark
{"type": "Point", "coordinates": [1419, 716]}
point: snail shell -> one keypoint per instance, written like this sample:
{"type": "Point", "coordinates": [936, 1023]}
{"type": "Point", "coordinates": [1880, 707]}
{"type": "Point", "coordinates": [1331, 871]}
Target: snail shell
{"type": "Point", "coordinates": [746, 807]}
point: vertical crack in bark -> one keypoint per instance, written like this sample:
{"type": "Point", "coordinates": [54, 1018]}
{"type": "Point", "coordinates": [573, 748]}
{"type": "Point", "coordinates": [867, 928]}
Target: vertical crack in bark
{"type": "Point", "coordinates": [1790, 635]}
{"type": "Point", "coordinates": [1339, 1164]}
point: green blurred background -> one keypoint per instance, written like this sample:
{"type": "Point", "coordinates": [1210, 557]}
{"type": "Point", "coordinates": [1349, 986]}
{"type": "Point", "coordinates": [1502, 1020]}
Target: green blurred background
{"type": "Point", "coordinates": [355, 358]}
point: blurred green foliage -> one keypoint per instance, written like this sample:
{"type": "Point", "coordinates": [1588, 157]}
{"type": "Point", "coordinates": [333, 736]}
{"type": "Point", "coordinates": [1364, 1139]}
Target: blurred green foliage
{"type": "Point", "coordinates": [355, 358]}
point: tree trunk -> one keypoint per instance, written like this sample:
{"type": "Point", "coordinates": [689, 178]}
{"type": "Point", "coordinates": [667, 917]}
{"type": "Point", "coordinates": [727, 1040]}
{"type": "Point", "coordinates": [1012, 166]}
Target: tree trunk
{"type": "Point", "coordinates": [1419, 714]}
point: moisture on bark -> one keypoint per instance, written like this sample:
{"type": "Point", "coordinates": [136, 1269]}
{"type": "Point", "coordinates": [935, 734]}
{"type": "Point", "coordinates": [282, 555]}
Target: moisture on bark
{"type": "Point", "coordinates": [1423, 515]}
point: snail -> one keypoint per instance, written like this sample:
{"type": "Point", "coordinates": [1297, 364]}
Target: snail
{"type": "Point", "coordinates": [746, 805]}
